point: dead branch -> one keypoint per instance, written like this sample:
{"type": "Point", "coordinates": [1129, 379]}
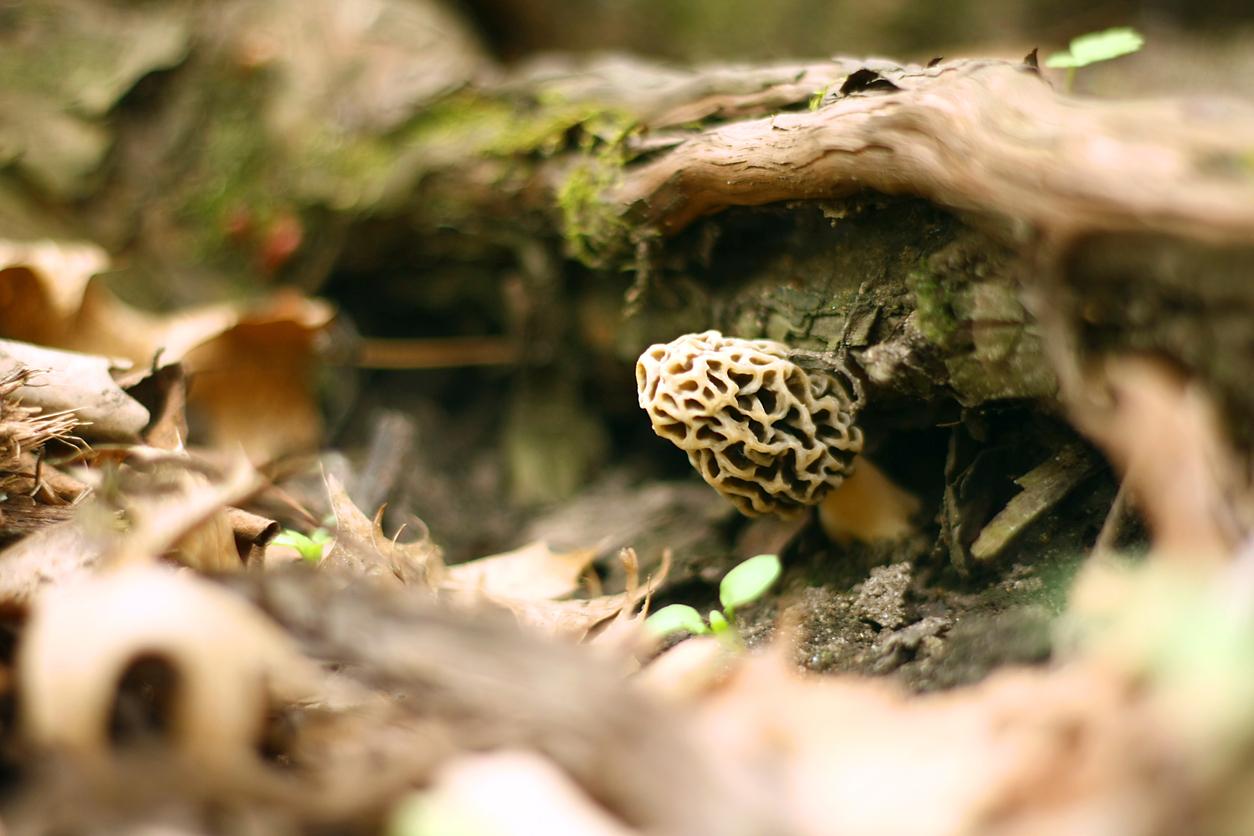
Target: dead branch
{"type": "Point", "coordinates": [988, 137]}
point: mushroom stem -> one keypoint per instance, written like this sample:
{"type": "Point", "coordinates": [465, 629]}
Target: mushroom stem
{"type": "Point", "coordinates": [867, 506]}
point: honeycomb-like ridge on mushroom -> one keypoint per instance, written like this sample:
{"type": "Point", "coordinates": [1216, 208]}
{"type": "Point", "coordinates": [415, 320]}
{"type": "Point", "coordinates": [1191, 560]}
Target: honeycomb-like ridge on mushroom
{"type": "Point", "coordinates": [758, 428]}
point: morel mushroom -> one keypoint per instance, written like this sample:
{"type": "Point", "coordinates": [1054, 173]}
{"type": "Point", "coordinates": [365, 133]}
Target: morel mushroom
{"type": "Point", "coordinates": [764, 433]}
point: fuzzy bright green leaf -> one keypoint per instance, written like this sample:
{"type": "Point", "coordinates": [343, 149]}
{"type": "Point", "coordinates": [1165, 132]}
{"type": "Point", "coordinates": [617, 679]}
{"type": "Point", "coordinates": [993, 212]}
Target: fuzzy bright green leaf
{"type": "Point", "coordinates": [718, 624]}
{"type": "Point", "coordinates": [674, 618]}
{"type": "Point", "coordinates": [747, 582]}
{"type": "Point", "coordinates": [816, 98]}
{"type": "Point", "coordinates": [420, 814]}
{"type": "Point", "coordinates": [1097, 46]}
{"type": "Point", "coordinates": [309, 547]}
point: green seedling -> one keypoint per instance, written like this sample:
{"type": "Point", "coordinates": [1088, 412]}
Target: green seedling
{"type": "Point", "coordinates": [1095, 47]}
{"type": "Point", "coordinates": [309, 547]}
{"type": "Point", "coordinates": [816, 98]}
{"type": "Point", "coordinates": [422, 814]}
{"type": "Point", "coordinates": [743, 585]}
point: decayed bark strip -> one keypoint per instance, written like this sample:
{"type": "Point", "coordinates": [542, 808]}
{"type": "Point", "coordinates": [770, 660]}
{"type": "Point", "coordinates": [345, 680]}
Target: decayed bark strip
{"type": "Point", "coordinates": [984, 136]}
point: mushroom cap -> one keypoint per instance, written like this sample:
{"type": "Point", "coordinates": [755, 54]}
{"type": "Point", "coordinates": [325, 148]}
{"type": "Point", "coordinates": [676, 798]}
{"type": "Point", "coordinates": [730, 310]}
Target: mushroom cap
{"type": "Point", "coordinates": [760, 430]}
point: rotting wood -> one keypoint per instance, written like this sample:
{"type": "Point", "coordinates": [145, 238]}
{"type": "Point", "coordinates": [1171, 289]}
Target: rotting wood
{"type": "Point", "coordinates": [988, 137]}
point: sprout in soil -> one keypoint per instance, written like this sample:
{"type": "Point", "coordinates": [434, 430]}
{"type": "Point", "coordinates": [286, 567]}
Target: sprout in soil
{"type": "Point", "coordinates": [743, 585]}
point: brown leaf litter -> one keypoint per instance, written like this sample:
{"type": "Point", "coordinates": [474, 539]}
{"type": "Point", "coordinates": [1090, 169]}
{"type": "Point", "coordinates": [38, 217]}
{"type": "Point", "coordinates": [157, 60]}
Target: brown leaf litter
{"type": "Point", "coordinates": [249, 367]}
{"type": "Point", "coordinates": [306, 699]}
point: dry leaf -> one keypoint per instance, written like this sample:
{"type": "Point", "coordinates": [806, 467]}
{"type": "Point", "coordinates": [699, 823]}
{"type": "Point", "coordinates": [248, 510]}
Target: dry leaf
{"type": "Point", "coordinates": [163, 392]}
{"type": "Point", "coordinates": [533, 604]}
{"type": "Point", "coordinates": [249, 371]}
{"type": "Point", "coordinates": [506, 793]}
{"type": "Point", "coordinates": [572, 619]}
{"type": "Point", "coordinates": [361, 547]}
{"type": "Point", "coordinates": [691, 668]}
{"type": "Point", "coordinates": [249, 368]}
{"type": "Point", "coordinates": [53, 555]}
{"type": "Point", "coordinates": [533, 572]}
{"type": "Point", "coordinates": [525, 581]}
{"type": "Point", "coordinates": [185, 514]}
{"type": "Point", "coordinates": [625, 634]}
{"type": "Point", "coordinates": [1073, 750]}
{"type": "Point", "coordinates": [252, 533]}
{"type": "Point", "coordinates": [253, 382]}
{"type": "Point", "coordinates": [230, 663]}
{"type": "Point", "coordinates": [78, 384]}
{"type": "Point", "coordinates": [42, 285]}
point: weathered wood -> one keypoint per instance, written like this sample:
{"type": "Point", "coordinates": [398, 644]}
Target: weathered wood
{"type": "Point", "coordinates": [987, 137]}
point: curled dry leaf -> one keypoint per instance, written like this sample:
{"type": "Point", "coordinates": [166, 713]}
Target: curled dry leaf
{"type": "Point", "coordinates": [249, 368]}
{"type": "Point", "coordinates": [362, 548]}
{"type": "Point", "coordinates": [625, 634]}
{"type": "Point", "coordinates": [528, 581]}
{"type": "Point", "coordinates": [185, 512]}
{"type": "Point", "coordinates": [532, 578]}
{"type": "Point", "coordinates": [69, 383]}
{"type": "Point", "coordinates": [163, 392]}
{"type": "Point", "coordinates": [506, 793]}
{"type": "Point", "coordinates": [230, 663]}
{"type": "Point", "coordinates": [252, 532]}
{"type": "Point", "coordinates": [42, 282]}
{"type": "Point", "coordinates": [253, 383]}
{"type": "Point", "coordinates": [533, 572]}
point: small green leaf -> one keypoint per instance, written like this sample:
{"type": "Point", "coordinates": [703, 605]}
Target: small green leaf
{"type": "Point", "coordinates": [422, 814]}
{"type": "Point", "coordinates": [1061, 61]}
{"type": "Point", "coordinates": [309, 548]}
{"type": "Point", "coordinates": [816, 98]}
{"type": "Point", "coordinates": [747, 582]}
{"type": "Point", "coordinates": [1103, 46]}
{"type": "Point", "coordinates": [289, 537]}
{"type": "Point", "coordinates": [1098, 46]}
{"type": "Point", "coordinates": [718, 624]}
{"type": "Point", "coordinates": [674, 618]}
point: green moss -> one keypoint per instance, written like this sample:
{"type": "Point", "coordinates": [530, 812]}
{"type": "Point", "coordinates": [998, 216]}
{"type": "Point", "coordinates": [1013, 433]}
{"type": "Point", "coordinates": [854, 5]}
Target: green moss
{"type": "Point", "coordinates": [934, 303]}
{"type": "Point", "coordinates": [240, 177]}
{"type": "Point", "coordinates": [471, 123]}
{"type": "Point", "coordinates": [555, 127]}
{"type": "Point", "coordinates": [594, 230]}
{"type": "Point", "coordinates": [463, 122]}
